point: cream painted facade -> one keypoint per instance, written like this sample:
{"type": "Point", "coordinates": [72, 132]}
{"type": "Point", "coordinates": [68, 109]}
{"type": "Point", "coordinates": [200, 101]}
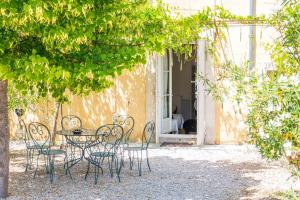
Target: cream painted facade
{"type": "Point", "coordinates": [135, 92]}
{"type": "Point", "coordinates": [127, 96]}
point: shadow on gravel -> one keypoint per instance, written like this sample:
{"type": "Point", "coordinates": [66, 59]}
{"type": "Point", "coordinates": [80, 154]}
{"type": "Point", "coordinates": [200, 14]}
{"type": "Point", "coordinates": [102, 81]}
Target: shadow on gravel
{"type": "Point", "coordinates": [170, 179]}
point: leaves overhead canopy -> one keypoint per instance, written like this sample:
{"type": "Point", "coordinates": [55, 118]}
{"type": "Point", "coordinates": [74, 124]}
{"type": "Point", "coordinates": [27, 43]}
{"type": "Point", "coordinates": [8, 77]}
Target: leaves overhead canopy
{"type": "Point", "coordinates": [50, 46]}
{"type": "Point", "coordinates": [286, 50]}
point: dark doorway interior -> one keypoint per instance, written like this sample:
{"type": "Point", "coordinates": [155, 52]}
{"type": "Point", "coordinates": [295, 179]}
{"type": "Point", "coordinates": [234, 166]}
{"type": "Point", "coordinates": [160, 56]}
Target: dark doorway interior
{"type": "Point", "coordinates": [183, 88]}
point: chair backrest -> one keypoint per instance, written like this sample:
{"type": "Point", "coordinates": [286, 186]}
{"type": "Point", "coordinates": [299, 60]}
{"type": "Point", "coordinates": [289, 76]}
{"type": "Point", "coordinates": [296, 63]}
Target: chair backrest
{"type": "Point", "coordinates": [24, 132]}
{"type": "Point", "coordinates": [70, 122]}
{"type": "Point", "coordinates": [127, 123]}
{"type": "Point", "coordinates": [40, 134]}
{"type": "Point", "coordinates": [148, 134]}
{"type": "Point", "coordinates": [110, 136]}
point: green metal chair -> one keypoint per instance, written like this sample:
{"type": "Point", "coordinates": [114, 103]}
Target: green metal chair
{"type": "Point", "coordinates": [70, 122]}
{"type": "Point", "coordinates": [41, 138]}
{"type": "Point", "coordinates": [127, 123]}
{"type": "Point", "coordinates": [28, 142]}
{"type": "Point", "coordinates": [31, 148]}
{"type": "Point", "coordinates": [22, 130]}
{"type": "Point", "coordinates": [106, 146]}
{"type": "Point", "coordinates": [138, 151]}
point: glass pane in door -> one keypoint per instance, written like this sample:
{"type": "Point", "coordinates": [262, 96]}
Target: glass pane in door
{"type": "Point", "coordinates": [166, 83]}
{"type": "Point", "coordinates": [166, 87]}
{"type": "Point", "coordinates": [166, 107]}
{"type": "Point", "coordinates": [166, 62]}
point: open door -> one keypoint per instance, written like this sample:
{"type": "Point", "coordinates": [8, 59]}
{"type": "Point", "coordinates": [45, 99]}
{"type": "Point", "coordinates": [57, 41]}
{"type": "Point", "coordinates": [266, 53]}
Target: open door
{"type": "Point", "coordinates": [164, 94]}
{"type": "Point", "coordinates": [166, 80]}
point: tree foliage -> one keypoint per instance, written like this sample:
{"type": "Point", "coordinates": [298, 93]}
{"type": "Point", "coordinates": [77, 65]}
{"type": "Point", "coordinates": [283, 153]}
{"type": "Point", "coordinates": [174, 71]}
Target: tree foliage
{"type": "Point", "coordinates": [270, 102]}
{"type": "Point", "coordinates": [275, 108]}
{"type": "Point", "coordinates": [54, 46]}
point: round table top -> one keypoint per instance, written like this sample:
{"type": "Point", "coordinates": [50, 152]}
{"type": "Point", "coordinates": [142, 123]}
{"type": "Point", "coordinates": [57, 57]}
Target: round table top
{"type": "Point", "coordinates": [85, 132]}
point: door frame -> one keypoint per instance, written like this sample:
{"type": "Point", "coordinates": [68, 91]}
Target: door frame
{"type": "Point", "coordinates": [200, 96]}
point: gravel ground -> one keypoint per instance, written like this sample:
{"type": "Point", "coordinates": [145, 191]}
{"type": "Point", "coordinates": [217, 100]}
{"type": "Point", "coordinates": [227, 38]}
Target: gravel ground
{"type": "Point", "coordinates": [209, 172]}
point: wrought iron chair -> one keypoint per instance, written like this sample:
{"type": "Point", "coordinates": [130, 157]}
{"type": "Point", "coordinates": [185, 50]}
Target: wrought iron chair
{"type": "Point", "coordinates": [30, 147]}
{"type": "Point", "coordinates": [41, 138]}
{"type": "Point", "coordinates": [105, 147]}
{"type": "Point", "coordinates": [138, 151]}
{"type": "Point", "coordinates": [127, 123]}
{"type": "Point", "coordinates": [70, 122]}
{"type": "Point", "coordinates": [22, 130]}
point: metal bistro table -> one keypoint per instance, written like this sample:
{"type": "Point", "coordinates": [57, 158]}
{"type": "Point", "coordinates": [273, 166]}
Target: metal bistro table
{"type": "Point", "coordinates": [77, 143]}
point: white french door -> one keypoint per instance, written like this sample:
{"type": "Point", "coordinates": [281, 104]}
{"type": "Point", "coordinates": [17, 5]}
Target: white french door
{"type": "Point", "coordinates": [167, 92]}
{"type": "Point", "coordinates": [164, 93]}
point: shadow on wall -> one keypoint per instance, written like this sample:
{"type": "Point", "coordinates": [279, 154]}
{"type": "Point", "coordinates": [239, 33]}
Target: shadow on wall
{"type": "Point", "coordinates": [150, 82]}
{"type": "Point", "coordinates": [231, 125]}
{"type": "Point", "coordinates": [171, 178]}
{"type": "Point", "coordinates": [126, 96]}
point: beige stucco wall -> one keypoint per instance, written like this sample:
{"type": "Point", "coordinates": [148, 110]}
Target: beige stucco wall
{"type": "Point", "coordinates": [223, 122]}
{"type": "Point", "coordinates": [126, 96]}
{"type": "Point", "coordinates": [134, 92]}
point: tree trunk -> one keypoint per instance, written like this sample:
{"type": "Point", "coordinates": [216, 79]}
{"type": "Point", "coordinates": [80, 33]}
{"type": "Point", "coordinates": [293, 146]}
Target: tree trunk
{"type": "Point", "coordinates": [4, 141]}
{"type": "Point", "coordinates": [58, 105]}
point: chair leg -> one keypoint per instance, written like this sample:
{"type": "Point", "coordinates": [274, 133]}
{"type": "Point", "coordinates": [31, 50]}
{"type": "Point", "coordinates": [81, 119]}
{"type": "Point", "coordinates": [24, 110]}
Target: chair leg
{"type": "Point", "coordinates": [88, 169]}
{"type": "Point", "coordinates": [27, 159]}
{"type": "Point", "coordinates": [148, 163]}
{"type": "Point", "coordinates": [122, 157]}
{"type": "Point", "coordinates": [110, 164]}
{"type": "Point", "coordinates": [140, 159]}
{"type": "Point", "coordinates": [65, 163]}
{"type": "Point", "coordinates": [95, 181]}
{"type": "Point", "coordinates": [130, 160]}
{"type": "Point", "coordinates": [66, 166]}
{"type": "Point", "coordinates": [37, 165]}
{"type": "Point", "coordinates": [47, 164]}
{"type": "Point", "coordinates": [101, 160]}
{"type": "Point", "coordinates": [118, 169]}
{"type": "Point", "coordinates": [32, 153]}
{"type": "Point", "coordinates": [96, 174]}
{"type": "Point", "coordinates": [101, 164]}
{"type": "Point", "coordinates": [51, 168]}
